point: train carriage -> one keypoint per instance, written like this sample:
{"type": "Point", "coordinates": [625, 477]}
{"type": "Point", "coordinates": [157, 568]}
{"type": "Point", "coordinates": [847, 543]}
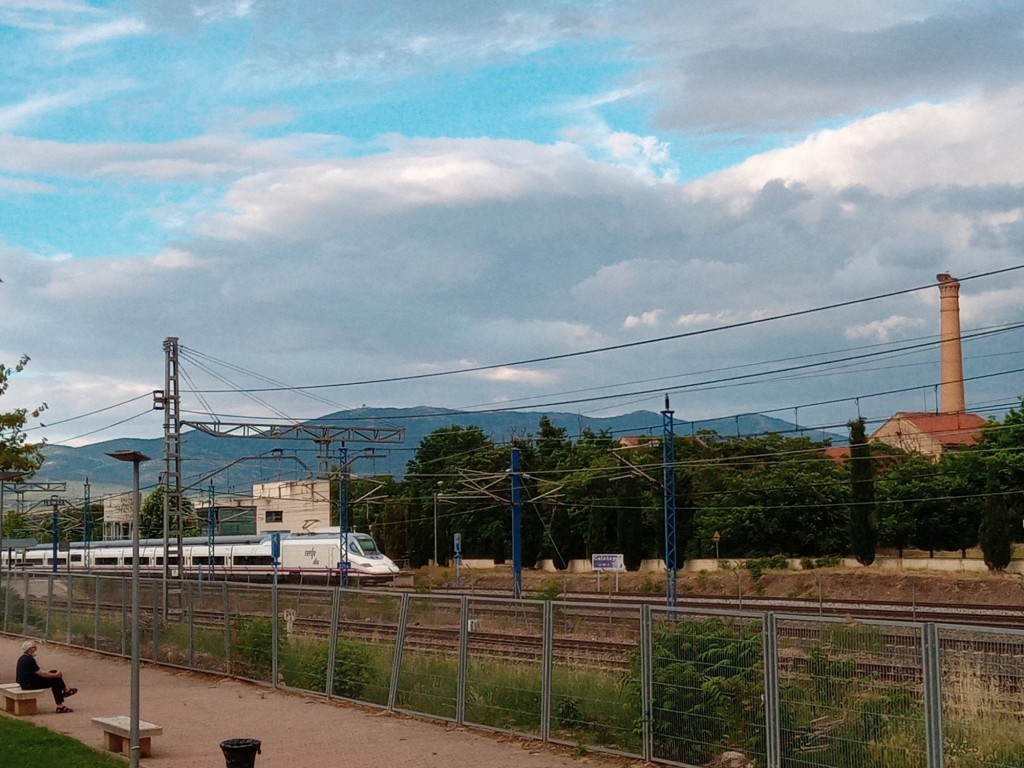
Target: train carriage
{"type": "Point", "coordinates": [301, 555]}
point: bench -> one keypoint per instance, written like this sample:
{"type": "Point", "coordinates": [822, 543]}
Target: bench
{"type": "Point", "coordinates": [19, 702]}
{"type": "Point", "coordinates": [117, 734]}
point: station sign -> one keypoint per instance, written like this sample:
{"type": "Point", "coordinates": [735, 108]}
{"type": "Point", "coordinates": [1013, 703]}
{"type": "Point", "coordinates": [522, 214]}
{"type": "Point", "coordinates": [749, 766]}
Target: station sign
{"type": "Point", "coordinates": [607, 562]}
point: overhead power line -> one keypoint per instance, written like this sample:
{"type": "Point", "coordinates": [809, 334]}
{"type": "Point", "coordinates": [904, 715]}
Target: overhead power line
{"type": "Point", "coordinates": [613, 347]}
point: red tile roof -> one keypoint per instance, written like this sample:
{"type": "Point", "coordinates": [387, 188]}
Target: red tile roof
{"type": "Point", "coordinates": [950, 429]}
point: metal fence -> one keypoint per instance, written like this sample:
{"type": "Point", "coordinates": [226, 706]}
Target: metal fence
{"type": "Point", "coordinates": [674, 686]}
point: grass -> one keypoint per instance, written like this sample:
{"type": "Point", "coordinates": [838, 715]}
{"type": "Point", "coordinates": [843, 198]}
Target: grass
{"type": "Point", "coordinates": [29, 746]}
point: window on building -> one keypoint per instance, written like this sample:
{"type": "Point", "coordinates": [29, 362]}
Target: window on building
{"type": "Point", "coordinates": [274, 516]}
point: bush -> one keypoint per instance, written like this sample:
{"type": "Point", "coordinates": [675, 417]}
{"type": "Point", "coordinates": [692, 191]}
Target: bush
{"type": "Point", "coordinates": [353, 669]}
{"type": "Point", "coordinates": [253, 639]}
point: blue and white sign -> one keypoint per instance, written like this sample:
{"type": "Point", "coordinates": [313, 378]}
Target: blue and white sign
{"type": "Point", "coordinates": [457, 541]}
{"type": "Point", "coordinates": [607, 563]}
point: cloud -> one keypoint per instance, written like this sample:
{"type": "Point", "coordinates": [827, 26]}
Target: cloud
{"type": "Point", "coordinates": [322, 235]}
{"type": "Point", "coordinates": [101, 33]}
{"type": "Point", "coordinates": [24, 186]}
{"type": "Point", "coordinates": [966, 142]}
{"type": "Point", "coordinates": [207, 158]}
{"type": "Point", "coordinates": [737, 67]}
{"type": "Point", "coordinates": [650, 319]}
{"type": "Point", "coordinates": [884, 330]}
{"type": "Point", "coordinates": [517, 376]}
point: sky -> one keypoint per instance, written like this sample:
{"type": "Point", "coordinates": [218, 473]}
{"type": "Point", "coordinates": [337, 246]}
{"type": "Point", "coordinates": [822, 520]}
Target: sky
{"type": "Point", "coordinates": [574, 205]}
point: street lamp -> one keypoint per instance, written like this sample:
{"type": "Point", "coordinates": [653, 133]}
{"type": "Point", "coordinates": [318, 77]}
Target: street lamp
{"type": "Point", "coordinates": [135, 458]}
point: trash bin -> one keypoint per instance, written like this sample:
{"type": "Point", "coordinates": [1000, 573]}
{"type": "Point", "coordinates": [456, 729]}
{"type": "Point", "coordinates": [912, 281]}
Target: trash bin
{"type": "Point", "coordinates": [240, 753]}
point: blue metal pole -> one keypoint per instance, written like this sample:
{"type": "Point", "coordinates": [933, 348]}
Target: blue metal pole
{"type": "Point", "coordinates": [668, 460]}
{"type": "Point", "coordinates": [343, 479]}
{"type": "Point", "coordinates": [211, 529]}
{"type": "Point", "coordinates": [517, 545]}
{"type": "Point", "coordinates": [87, 522]}
{"type": "Point", "coordinates": [54, 533]}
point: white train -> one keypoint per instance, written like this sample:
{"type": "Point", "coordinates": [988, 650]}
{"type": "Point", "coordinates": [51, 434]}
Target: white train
{"type": "Point", "coordinates": [313, 555]}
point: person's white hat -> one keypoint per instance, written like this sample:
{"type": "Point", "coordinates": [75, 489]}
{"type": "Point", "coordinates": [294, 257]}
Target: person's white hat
{"type": "Point", "coordinates": [28, 644]}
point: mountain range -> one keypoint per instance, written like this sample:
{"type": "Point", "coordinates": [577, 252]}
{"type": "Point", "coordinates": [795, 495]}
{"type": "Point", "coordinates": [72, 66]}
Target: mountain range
{"type": "Point", "coordinates": [232, 464]}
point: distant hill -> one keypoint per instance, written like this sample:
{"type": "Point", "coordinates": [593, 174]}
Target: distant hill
{"type": "Point", "coordinates": [251, 461]}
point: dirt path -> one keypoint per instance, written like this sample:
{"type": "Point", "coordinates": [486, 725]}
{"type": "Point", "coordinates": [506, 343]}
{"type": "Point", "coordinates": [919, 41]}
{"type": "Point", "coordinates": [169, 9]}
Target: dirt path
{"type": "Point", "coordinates": [198, 712]}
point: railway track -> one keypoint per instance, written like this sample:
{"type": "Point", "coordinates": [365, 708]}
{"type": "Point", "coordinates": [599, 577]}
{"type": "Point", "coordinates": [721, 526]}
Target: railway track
{"type": "Point", "coordinates": [599, 633]}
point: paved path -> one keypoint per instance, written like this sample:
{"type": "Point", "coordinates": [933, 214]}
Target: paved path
{"type": "Point", "coordinates": [198, 712]}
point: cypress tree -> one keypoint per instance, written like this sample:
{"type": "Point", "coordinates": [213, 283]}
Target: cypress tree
{"type": "Point", "coordinates": [995, 534]}
{"type": "Point", "coordinates": [863, 520]}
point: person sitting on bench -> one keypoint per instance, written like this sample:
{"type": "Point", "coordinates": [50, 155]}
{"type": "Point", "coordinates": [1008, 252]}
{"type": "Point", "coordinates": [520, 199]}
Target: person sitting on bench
{"type": "Point", "coordinates": [31, 678]}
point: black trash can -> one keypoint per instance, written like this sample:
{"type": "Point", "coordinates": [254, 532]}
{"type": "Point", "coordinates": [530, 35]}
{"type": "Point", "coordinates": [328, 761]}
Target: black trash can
{"type": "Point", "coordinates": [240, 753]}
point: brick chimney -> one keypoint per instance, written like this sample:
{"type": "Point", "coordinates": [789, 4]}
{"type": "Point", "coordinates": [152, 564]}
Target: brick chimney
{"type": "Point", "coordinates": [951, 374]}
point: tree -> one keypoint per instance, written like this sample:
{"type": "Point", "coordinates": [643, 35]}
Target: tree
{"type": "Point", "coordinates": [151, 516]}
{"type": "Point", "coordinates": [997, 525]}
{"type": "Point", "coordinates": [771, 495]}
{"type": "Point", "coordinates": [1002, 445]}
{"type": "Point", "coordinates": [863, 520]}
{"type": "Point", "coordinates": [17, 454]}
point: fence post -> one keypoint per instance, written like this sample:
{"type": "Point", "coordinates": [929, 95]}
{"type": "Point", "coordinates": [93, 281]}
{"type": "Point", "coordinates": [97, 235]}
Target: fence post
{"type": "Point", "coordinates": [190, 605]}
{"type": "Point", "coordinates": [96, 615]}
{"type": "Point", "coordinates": [24, 608]}
{"type": "Point", "coordinates": [70, 589]}
{"type": "Point", "coordinates": [49, 604]}
{"type": "Point", "coordinates": [932, 668]}
{"type": "Point", "coordinates": [124, 616]}
{"type": "Point", "coordinates": [773, 741]}
{"type": "Point", "coordinates": [332, 641]}
{"type": "Point", "coordinates": [155, 602]}
{"type": "Point", "coordinates": [7, 593]}
{"type": "Point", "coordinates": [647, 681]}
{"type": "Point", "coordinates": [547, 669]}
{"type": "Point", "coordinates": [396, 661]}
{"type": "Point", "coordinates": [225, 597]}
{"type": "Point", "coordinates": [463, 667]}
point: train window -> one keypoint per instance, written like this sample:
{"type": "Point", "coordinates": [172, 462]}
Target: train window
{"type": "Point", "coordinates": [252, 560]}
{"type": "Point", "coordinates": [142, 561]}
{"type": "Point", "coordinates": [205, 560]}
{"type": "Point", "coordinates": [275, 516]}
{"type": "Point", "coordinates": [367, 545]}
{"type": "Point", "coordinates": [106, 561]}
{"type": "Point", "coordinates": [170, 560]}
{"type": "Point", "coordinates": [76, 558]}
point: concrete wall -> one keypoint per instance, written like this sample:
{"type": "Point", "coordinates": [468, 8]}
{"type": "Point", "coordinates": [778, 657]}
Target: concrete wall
{"type": "Point", "coordinates": [938, 564]}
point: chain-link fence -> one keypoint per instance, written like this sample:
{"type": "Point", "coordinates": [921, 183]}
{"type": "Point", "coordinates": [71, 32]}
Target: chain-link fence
{"type": "Point", "coordinates": [671, 685]}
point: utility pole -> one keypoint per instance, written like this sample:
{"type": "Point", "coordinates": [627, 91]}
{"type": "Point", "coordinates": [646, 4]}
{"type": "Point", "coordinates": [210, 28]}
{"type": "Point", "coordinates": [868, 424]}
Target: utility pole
{"type": "Point", "coordinates": [517, 541]}
{"type": "Point", "coordinates": [169, 401]}
{"type": "Point", "coordinates": [87, 528]}
{"type": "Point", "coordinates": [668, 469]}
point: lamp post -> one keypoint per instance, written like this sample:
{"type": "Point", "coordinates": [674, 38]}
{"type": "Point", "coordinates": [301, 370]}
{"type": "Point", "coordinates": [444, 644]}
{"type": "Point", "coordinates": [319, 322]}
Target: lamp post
{"type": "Point", "coordinates": [135, 458]}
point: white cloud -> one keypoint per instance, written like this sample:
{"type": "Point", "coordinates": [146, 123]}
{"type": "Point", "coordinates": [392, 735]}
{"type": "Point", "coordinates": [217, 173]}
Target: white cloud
{"type": "Point", "coordinates": [884, 330]}
{"type": "Point", "coordinates": [648, 156]}
{"type": "Point", "coordinates": [971, 141]}
{"type": "Point", "coordinates": [702, 319]}
{"type": "Point", "coordinates": [650, 319]}
{"type": "Point", "coordinates": [101, 33]}
{"type": "Point", "coordinates": [517, 376]}
{"type": "Point", "coordinates": [24, 186]}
